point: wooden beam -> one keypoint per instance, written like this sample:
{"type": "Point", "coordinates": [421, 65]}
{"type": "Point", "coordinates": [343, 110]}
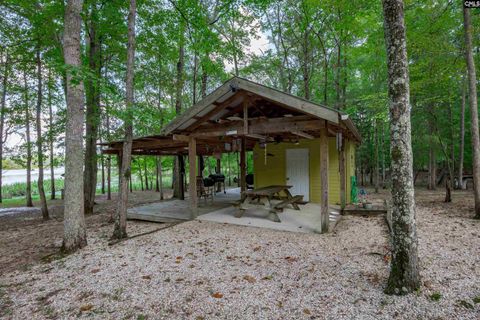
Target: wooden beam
{"type": "Point", "coordinates": [243, 167]}
{"type": "Point", "coordinates": [256, 136]}
{"type": "Point", "coordinates": [342, 169]}
{"type": "Point", "coordinates": [180, 137]}
{"type": "Point", "coordinates": [303, 134]}
{"type": "Point", "coordinates": [324, 212]}
{"type": "Point", "coordinates": [192, 155]}
{"type": "Point", "coordinates": [245, 116]}
{"type": "Point", "coordinates": [262, 126]}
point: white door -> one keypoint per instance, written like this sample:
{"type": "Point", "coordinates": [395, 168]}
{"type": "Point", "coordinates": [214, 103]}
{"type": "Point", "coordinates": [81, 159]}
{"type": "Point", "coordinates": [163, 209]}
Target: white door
{"type": "Point", "coordinates": [297, 172]}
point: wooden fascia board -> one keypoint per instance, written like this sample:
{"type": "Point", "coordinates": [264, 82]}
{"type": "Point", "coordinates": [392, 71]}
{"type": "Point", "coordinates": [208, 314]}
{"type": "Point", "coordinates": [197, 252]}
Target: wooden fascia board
{"type": "Point", "coordinates": [201, 105]}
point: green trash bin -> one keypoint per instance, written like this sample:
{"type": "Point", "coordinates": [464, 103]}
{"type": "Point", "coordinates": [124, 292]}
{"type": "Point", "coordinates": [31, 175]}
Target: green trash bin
{"type": "Point", "coordinates": [354, 190]}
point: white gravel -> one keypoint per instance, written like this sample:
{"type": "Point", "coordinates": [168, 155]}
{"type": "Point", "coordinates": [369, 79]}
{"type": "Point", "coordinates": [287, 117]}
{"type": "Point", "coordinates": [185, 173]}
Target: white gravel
{"type": "Point", "coordinates": [206, 270]}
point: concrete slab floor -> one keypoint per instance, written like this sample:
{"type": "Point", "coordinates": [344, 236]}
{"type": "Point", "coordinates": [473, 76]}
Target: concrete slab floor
{"type": "Point", "coordinates": [306, 220]}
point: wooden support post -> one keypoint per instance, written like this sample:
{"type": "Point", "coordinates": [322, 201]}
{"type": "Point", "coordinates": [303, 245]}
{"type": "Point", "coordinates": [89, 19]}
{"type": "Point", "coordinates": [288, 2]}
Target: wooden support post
{"type": "Point", "coordinates": [343, 181]}
{"type": "Point", "coordinates": [245, 116]}
{"type": "Point", "coordinates": [192, 156]}
{"type": "Point", "coordinates": [324, 213]}
{"type": "Point", "coordinates": [181, 176]}
{"type": "Point", "coordinates": [243, 167]}
{"type": "Point", "coordinates": [218, 170]}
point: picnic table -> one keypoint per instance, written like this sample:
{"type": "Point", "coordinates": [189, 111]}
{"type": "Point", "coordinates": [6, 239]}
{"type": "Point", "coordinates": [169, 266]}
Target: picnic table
{"type": "Point", "coordinates": [264, 196]}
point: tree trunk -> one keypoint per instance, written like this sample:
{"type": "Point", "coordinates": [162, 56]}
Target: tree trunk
{"type": "Point", "coordinates": [50, 139]}
{"type": "Point", "coordinates": [28, 194]}
{"type": "Point", "coordinates": [384, 185]}
{"type": "Point", "coordinates": [157, 182]}
{"type": "Point", "coordinates": [109, 158]}
{"type": "Point", "coordinates": [462, 138]}
{"type": "Point", "coordinates": [178, 105]}
{"type": "Point", "coordinates": [74, 236]}
{"type": "Point", "coordinates": [204, 84]}
{"type": "Point", "coordinates": [120, 230]}
{"type": "Point", "coordinates": [432, 166]}
{"type": "Point", "coordinates": [2, 118]}
{"type": "Point", "coordinates": [160, 177]}
{"type": "Point", "coordinates": [404, 274]}
{"type": "Point", "coordinates": [377, 167]}
{"type": "Point", "coordinates": [109, 177]}
{"type": "Point", "coordinates": [41, 190]}
{"type": "Point", "coordinates": [146, 172]}
{"type": "Point", "coordinates": [92, 114]}
{"type": "Point", "coordinates": [472, 84]}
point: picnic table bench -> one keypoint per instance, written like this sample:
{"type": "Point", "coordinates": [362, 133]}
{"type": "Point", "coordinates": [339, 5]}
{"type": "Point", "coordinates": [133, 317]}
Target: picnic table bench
{"type": "Point", "coordinates": [264, 196]}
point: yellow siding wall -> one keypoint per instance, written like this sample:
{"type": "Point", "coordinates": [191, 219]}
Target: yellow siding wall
{"type": "Point", "coordinates": [274, 171]}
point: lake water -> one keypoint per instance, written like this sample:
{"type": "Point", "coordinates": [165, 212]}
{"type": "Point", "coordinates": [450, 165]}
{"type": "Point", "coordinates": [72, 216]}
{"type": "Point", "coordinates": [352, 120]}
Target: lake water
{"type": "Point", "coordinates": [20, 175]}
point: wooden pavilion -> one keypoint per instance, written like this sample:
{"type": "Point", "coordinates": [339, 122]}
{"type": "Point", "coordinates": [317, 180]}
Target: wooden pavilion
{"type": "Point", "coordinates": [241, 116]}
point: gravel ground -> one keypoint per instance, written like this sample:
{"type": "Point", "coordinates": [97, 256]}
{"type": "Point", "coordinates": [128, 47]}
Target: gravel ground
{"type": "Point", "coordinates": [206, 270]}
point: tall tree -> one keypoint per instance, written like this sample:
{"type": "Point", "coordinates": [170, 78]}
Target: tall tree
{"type": "Point", "coordinates": [404, 275]}
{"type": "Point", "coordinates": [74, 236]}
{"type": "Point", "coordinates": [41, 190]}
{"type": "Point", "coordinates": [472, 98]}
{"type": "Point", "coordinates": [92, 110]}
{"type": "Point", "coordinates": [29, 202]}
{"type": "Point", "coordinates": [178, 179]}
{"type": "Point", "coordinates": [460, 184]}
{"type": "Point", "coordinates": [2, 115]}
{"type": "Point", "coordinates": [51, 138]}
{"type": "Point", "coordinates": [120, 230]}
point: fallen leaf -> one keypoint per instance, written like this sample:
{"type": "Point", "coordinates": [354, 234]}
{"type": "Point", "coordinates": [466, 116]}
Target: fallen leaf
{"type": "Point", "coordinates": [306, 311]}
{"type": "Point", "coordinates": [250, 279]}
{"type": "Point", "coordinates": [257, 248]}
{"type": "Point", "coordinates": [95, 270]}
{"type": "Point", "coordinates": [147, 277]}
{"type": "Point", "coordinates": [86, 307]}
{"type": "Point", "coordinates": [291, 259]}
{"type": "Point", "coordinates": [217, 295]}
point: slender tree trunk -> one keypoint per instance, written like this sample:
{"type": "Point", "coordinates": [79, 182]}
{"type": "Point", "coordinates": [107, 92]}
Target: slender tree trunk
{"type": "Point", "coordinates": [195, 71]}
{"type": "Point", "coordinates": [120, 230]}
{"type": "Point", "coordinates": [472, 84]}
{"type": "Point", "coordinates": [204, 84]}
{"type": "Point", "coordinates": [384, 185]}
{"type": "Point", "coordinates": [157, 182]}
{"type": "Point", "coordinates": [140, 175]}
{"type": "Point", "coordinates": [74, 236]}
{"type": "Point", "coordinates": [432, 167]}
{"type": "Point", "coordinates": [2, 117]}
{"type": "Point", "coordinates": [404, 274]}
{"type": "Point", "coordinates": [377, 167]}
{"type": "Point", "coordinates": [146, 172]}
{"type": "Point", "coordinates": [102, 162]}
{"type": "Point", "coordinates": [109, 177]}
{"type": "Point", "coordinates": [160, 176]}
{"type": "Point", "coordinates": [50, 139]}
{"type": "Point", "coordinates": [92, 114]}
{"type": "Point", "coordinates": [178, 105]}
{"type": "Point", "coordinates": [41, 190]}
{"type": "Point", "coordinates": [462, 137]}
{"type": "Point", "coordinates": [28, 195]}
{"type": "Point", "coordinates": [109, 158]}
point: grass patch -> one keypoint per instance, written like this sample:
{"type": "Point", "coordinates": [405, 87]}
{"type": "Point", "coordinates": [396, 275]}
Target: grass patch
{"type": "Point", "coordinates": [436, 296]}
